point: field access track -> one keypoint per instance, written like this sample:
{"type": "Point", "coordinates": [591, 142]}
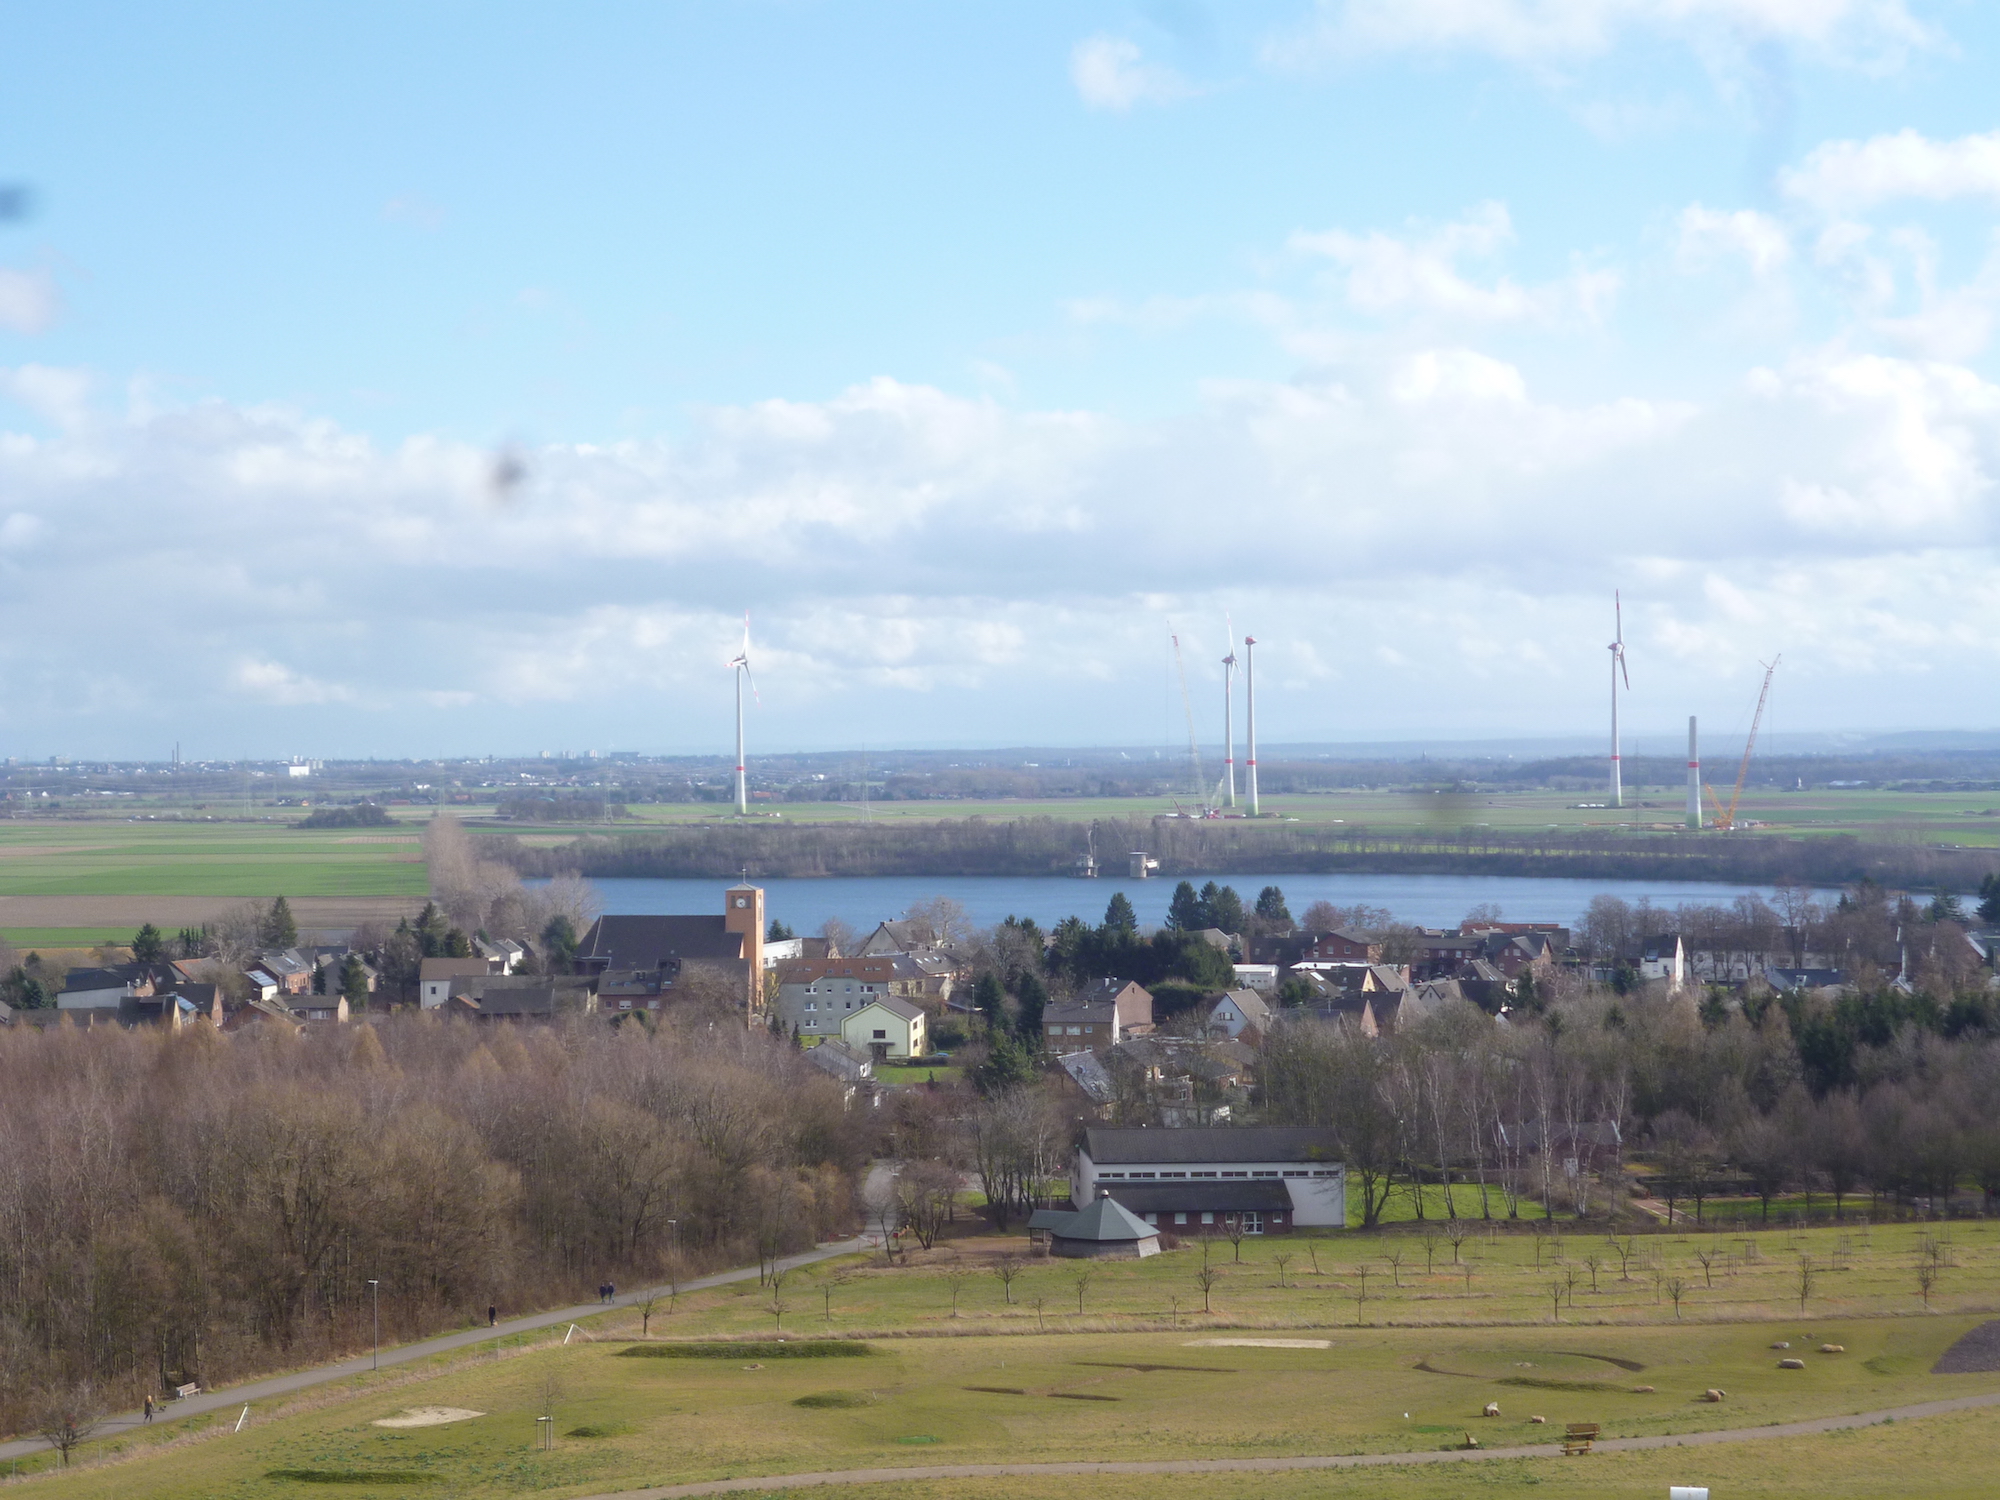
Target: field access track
{"type": "Point", "coordinates": [767, 1482]}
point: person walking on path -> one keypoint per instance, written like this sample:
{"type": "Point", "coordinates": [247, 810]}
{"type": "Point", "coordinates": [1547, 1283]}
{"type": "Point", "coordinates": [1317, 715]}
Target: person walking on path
{"type": "Point", "coordinates": [493, 1315]}
{"type": "Point", "coordinates": [149, 1406]}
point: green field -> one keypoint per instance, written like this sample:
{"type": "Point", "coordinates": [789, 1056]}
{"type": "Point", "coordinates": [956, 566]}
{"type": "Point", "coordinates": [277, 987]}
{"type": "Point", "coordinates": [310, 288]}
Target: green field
{"type": "Point", "coordinates": [1007, 1381]}
{"type": "Point", "coordinates": [1969, 818]}
{"type": "Point", "coordinates": [50, 858]}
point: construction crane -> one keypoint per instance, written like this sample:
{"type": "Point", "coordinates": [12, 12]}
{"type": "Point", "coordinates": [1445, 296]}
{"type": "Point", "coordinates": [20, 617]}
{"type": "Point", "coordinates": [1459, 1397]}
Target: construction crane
{"type": "Point", "coordinates": [1725, 819]}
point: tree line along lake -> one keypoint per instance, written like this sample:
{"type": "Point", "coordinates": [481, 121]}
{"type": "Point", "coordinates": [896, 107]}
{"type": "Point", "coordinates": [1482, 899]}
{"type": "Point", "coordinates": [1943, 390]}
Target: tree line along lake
{"type": "Point", "coordinates": [1423, 900]}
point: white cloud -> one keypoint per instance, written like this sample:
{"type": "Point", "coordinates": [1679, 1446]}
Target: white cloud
{"type": "Point", "coordinates": [60, 397]}
{"type": "Point", "coordinates": [1706, 235]}
{"type": "Point", "coordinates": [273, 682]}
{"type": "Point", "coordinates": [18, 530]}
{"type": "Point", "coordinates": [923, 566]}
{"type": "Point", "coordinates": [1110, 72]}
{"type": "Point", "coordinates": [29, 301]}
{"type": "Point", "coordinates": [1421, 274]}
{"type": "Point", "coordinates": [1846, 177]}
{"type": "Point", "coordinates": [1559, 31]}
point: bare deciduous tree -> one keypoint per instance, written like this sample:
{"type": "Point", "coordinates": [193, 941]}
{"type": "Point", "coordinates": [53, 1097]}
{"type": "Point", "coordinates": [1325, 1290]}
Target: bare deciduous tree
{"type": "Point", "coordinates": [66, 1415]}
{"type": "Point", "coordinates": [1008, 1269]}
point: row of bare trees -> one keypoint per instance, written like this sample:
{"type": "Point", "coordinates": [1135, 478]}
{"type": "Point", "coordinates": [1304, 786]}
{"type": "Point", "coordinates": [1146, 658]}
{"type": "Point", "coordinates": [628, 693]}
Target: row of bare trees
{"type": "Point", "coordinates": [1470, 1118]}
{"type": "Point", "coordinates": [196, 1207]}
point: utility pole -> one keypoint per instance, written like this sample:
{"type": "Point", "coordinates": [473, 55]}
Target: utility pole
{"type": "Point", "coordinates": [376, 1287]}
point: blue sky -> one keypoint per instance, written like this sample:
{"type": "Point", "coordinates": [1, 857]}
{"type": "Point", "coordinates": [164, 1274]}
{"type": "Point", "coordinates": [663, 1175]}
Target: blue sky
{"type": "Point", "coordinates": [974, 349]}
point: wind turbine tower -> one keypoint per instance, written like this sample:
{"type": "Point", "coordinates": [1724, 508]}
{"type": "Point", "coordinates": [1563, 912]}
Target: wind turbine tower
{"type": "Point", "coordinates": [1617, 670]}
{"type": "Point", "coordinates": [1694, 780]}
{"type": "Point", "coordinates": [740, 665]}
{"type": "Point", "coordinates": [1229, 721]}
{"type": "Point", "coordinates": [1250, 706]}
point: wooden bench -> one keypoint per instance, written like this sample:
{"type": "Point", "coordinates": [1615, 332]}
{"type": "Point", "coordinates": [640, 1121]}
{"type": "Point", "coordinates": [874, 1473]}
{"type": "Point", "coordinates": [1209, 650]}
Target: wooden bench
{"type": "Point", "coordinates": [182, 1392]}
{"type": "Point", "coordinates": [1578, 1436]}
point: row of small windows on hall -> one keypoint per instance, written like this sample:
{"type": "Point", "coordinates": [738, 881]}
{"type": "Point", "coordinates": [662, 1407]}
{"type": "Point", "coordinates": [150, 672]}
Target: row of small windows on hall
{"type": "Point", "coordinates": [814, 989]}
{"type": "Point", "coordinates": [1125, 1176]}
{"type": "Point", "coordinates": [1070, 1030]}
{"type": "Point", "coordinates": [1253, 1223]}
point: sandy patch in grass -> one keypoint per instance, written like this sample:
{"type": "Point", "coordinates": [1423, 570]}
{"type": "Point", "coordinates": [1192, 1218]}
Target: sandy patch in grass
{"type": "Point", "coordinates": [1258, 1344]}
{"type": "Point", "coordinates": [428, 1416]}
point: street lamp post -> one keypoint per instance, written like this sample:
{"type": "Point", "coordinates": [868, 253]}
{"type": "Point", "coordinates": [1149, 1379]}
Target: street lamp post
{"type": "Point", "coordinates": [376, 1288]}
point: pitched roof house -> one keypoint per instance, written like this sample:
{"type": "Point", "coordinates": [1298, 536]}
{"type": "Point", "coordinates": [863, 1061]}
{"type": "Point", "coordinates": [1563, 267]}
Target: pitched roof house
{"type": "Point", "coordinates": [1240, 1013]}
{"type": "Point", "coordinates": [1099, 1017]}
{"type": "Point", "coordinates": [435, 976]}
{"type": "Point", "coordinates": [885, 1027]}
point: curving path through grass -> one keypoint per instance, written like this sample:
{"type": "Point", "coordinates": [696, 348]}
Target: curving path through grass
{"type": "Point", "coordinates": [1280, 1465]}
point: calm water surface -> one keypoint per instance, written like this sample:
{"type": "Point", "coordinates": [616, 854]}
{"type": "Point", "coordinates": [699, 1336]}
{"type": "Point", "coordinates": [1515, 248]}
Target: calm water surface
{"type": "Point", "coordinates": [1426, 900]}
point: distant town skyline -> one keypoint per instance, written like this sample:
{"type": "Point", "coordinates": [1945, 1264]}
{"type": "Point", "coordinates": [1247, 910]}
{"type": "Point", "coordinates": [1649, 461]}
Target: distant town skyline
{"type": "Point", "coordinates": [376, 383]}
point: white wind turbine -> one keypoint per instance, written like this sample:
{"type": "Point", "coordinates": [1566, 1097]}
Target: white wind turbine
{"type": "Point", "coordinates": [740, 665]}
{"type": "Point", "coordinates": [1617, 649]}
{"type": "Point", "coordinates": [1228, 709]}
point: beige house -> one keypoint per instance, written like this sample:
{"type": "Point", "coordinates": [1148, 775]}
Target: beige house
{"type": "Point", "coordinates": [886, 1027]}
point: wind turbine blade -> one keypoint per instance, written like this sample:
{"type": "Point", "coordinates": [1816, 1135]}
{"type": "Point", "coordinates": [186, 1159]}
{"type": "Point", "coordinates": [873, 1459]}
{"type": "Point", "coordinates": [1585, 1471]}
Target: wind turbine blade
{"type": "Point", "coordinates": [1622, 669]}
{"type": "Point", "coordinates": [758, 700]}
{"type": "Point", "coordinates": [1617, 606]}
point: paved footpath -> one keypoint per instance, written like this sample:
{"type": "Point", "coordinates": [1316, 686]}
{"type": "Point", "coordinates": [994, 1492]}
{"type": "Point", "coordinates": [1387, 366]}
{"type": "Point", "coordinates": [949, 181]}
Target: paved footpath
{"type": "Point", "coordinates": [234, 1398]}
{"type": "Point", "coordinates": [1281, 1465]}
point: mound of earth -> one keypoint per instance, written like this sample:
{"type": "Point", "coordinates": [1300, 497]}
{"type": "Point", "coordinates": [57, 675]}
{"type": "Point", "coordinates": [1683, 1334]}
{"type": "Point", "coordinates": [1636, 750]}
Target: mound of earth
{"type": "Point", "coordinates": [1257, 1344]}
{"type": "Point", "coordinates": [1978, 1353]}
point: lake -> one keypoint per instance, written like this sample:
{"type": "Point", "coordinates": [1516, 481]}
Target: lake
{"type": "Point", "coordinates": [1424, 900]}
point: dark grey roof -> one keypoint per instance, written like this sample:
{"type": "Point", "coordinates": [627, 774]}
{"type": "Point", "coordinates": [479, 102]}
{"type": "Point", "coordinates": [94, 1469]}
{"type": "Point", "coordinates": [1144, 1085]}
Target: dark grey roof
{"type": "Point", "coordinates": [110, 978]}
{"type": "Point", "coordinates": [1110, 1144]}
{"type": "Point", "coordinates": [1236, 1196]}
{"type": "Point", "coordinates": [842, 1061]}
{"type": "Point", "coordinates": [1088, 1073]}
{"type": "Point", "coordinates": [1104, 1221]}
{"type": "Point", "coordinates": [1808, 979]}
{"type": "Point", "coordinates": [645, 942]}
{"type": "Point", "coordinates": [518, 1000]}
{"type": "Point", "coordinates": [1077, 1011]}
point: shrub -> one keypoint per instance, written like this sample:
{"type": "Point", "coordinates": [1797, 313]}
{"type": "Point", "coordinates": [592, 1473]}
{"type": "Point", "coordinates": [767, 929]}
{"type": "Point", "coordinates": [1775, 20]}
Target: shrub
{"type": "Point", "coordinates": [353, 1476]}
{"type": "Point", "coordinates": [367, 815]}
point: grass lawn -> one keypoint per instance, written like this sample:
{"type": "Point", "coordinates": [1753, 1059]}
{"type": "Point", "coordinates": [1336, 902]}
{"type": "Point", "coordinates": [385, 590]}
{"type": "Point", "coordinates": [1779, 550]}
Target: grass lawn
{"type": "Point", "coordinates": [205, 859]}
{"type": "Point", "coordinates": [45, 940]}
{"type": "Point", "coordinates": [917, 1072]}
{"type": "Point", "coordinates": [1968, 818]}
{"type": "Point", "coordinates": [1039, 1398]}
{"type": "Point", "coordinates": [1008, 1380]}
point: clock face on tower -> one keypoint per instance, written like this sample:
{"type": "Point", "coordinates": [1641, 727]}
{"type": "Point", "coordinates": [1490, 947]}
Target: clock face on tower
{"type": "Point", "coordinates": [742, 900]}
